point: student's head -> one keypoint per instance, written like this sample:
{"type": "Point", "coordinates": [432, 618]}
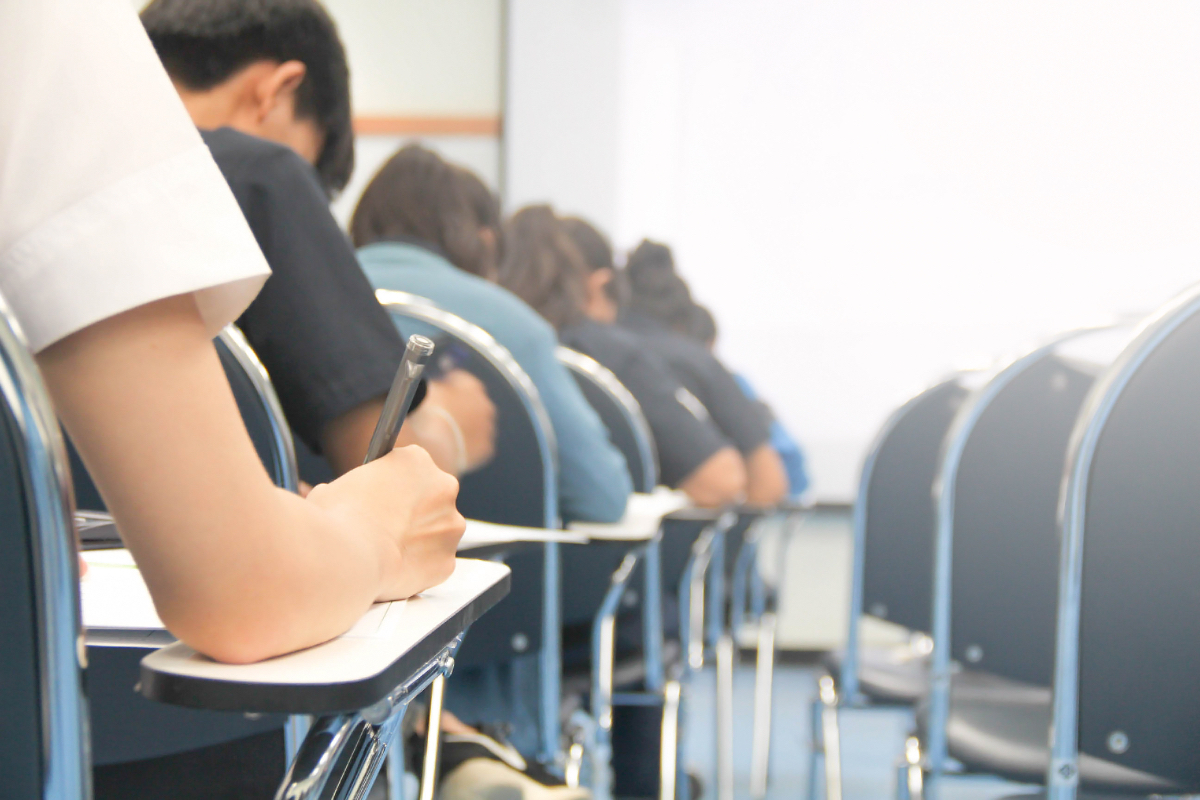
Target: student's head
{"type": "Point", "coordinates": [271, 68]}
{"type": "Point", "coordinates": [543, 267]}
{"type": "Point", "coordinates": [486, 208]}
{"type": "Point", "coordinates": [418, 195]}
{"type": "Point", "coordinates": [655, 289]}
{"type": "Point", "coordinates": [702, 326]}
{"type": "Point", "coordinates": [603, 284]}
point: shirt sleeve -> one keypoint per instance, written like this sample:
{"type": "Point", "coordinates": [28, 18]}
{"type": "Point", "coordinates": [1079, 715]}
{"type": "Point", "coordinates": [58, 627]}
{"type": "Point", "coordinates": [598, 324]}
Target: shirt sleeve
{"type": "Point", "coordinates": [684, 441]}
{"type": "Point", "coordinates": [737, 416]}
{"type": "Point", "coordinates": [108, 198]}
{"type": "Point", "coordinates": [593, 480]}
{"type": "Point", "coordinates": [326, 342]}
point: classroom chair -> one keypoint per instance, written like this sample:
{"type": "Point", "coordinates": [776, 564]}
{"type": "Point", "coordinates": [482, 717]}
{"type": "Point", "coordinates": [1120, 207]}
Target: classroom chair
{"type": "Point", "coordinates": [1123, 716]}
{"type": "Point", "coordinates": [529, 621]}
{"type": "Point", "coordinates": [892, 574]}
{"type": "Point", "coordinates": [997, 511]}
{"type": "Point", "coordinates": [45, 752]}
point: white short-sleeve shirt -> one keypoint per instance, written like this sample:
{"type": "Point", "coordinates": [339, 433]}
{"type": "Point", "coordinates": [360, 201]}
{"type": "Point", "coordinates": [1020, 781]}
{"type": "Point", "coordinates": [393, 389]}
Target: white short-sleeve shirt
{"type": "Point", "coordinates": [108, 197]}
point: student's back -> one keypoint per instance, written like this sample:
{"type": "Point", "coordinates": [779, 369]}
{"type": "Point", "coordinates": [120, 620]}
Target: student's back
{"type": "Point", "coordinates": [594, 483]}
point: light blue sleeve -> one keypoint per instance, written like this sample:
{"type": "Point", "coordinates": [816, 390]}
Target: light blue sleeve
{"type": "Point", "coordinates": [593, 480]}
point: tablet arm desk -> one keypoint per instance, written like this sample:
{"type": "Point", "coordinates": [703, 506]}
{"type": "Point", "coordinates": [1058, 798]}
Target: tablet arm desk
{"type": "Point", "coordinates": [358, 685]}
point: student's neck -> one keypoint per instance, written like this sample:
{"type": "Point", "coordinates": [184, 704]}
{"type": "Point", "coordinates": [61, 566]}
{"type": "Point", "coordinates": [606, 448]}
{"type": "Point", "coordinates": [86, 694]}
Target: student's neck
{"type": "Point", "coordinates": [209, 109]}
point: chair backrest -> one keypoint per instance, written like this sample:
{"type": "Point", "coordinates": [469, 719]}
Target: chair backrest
{"type": "Point", "coordinates": [896, 507]}
{"type": "Point", "coordinates": [620, 413]}
{"type": "Point", "coordinates": [524, 435]}
{"type": "Point", "coordinates": [260, 410]}
{"type": "Point", "coordinates": [41, 681]}
{"type": "Point", "coordinates": [1000, 487]}
{"type": "Point", "coordinates": [520, 484]}
{"type": "Point", "coordinates": [1127, 622]}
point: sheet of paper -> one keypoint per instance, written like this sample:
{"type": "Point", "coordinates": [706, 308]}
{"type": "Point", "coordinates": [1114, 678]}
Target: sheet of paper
{"type": "Point", "coordinates": [114, 594]}
{"type": "Point", "coordinates": [380, 622]}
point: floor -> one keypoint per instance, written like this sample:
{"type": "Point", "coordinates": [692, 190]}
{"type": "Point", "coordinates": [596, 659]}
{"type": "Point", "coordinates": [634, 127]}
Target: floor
{"type": "Point", "coordinates": [872, 740]}
{"type": "Point", "coordinates": [813, 604]}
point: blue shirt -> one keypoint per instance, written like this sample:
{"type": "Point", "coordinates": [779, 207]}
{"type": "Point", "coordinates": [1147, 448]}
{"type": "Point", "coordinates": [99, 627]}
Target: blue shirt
{"type": "Point", "coordinates": [593, 481]}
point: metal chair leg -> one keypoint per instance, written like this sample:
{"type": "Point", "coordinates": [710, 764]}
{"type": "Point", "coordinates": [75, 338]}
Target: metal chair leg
{"type": "Point", "coordinates": [910, 776]}
{"type": "Point", "coordinates": [355, 744]}
{"type": "Point", "coordinates": [726, 663]}
{"type": "Point", "coordinates": [433, 735]}
{"type": "Point", "coordinates": [764, 675]}
{"type": "Point", "coordinates": [816, 750]}
{"type": "Point", "coordinates": [395, 770]}
{"type": "Point", "coordinates": [669, 754]}
{"type": "Point", "coordinates": [604, 647]}
{"type": "Point", "coordinates": [831, 739]}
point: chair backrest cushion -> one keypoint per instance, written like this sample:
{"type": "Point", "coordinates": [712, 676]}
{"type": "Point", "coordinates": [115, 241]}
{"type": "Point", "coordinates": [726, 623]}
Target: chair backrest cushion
{"type": "Point", "coordinates": [1140, 625]}
{"type": "Point", "coordinates": [898, 547]}
{"type": "Point", "coordinates": [1005, 565]}
{"type": "Point", "coordinates": [21, 766]}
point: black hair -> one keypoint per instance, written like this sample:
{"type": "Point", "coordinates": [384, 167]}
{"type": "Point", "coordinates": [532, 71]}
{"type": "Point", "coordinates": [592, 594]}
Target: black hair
{"type": "Point", "coordinates": [202, 43]}
{"type": "Point", "coordinates": [597, 254]}
{"type": "Point", "coordinates": [418, 195]}
{"type": "Point", "coordinates": [702, 325]}
{"type": "Point", "coordinates": [655, 289]}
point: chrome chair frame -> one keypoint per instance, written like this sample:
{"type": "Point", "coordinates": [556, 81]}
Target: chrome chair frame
{"type": "Point", "coordinates": [603, 644]}
{"type": "Point", "coordinates": [831, 698]}
{"type": "Point", "coordinates": [288, 474]}
{"type": "Point", "coordinates": [955, 444]}
{"type": "Point", "coordinates": [550, 659]}
{"type": "Point", "coordinates": [1062, 776]}
{"type": "Point", "coordinates": [64, 719]}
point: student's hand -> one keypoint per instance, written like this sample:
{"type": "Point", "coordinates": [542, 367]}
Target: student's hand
{"type": "Point", "coordinates": [405, 495]}
{"type": "Point", "coordinates": [463, 397]}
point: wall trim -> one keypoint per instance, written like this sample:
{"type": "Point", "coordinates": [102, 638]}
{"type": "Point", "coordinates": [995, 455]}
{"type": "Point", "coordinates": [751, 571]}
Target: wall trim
{"type": "Point", "coordinates": [428, 125]}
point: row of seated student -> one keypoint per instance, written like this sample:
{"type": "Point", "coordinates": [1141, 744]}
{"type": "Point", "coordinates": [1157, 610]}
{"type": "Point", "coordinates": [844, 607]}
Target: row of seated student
{"type": "Point", "coordinates": [130, 252]}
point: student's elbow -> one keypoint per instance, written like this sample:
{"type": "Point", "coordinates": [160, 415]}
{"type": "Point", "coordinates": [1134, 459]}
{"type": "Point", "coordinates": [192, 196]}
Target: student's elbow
{"type": "Point", "coordinates": [719, 481]}
{"type": "Point", "coordinates": [230, 639]}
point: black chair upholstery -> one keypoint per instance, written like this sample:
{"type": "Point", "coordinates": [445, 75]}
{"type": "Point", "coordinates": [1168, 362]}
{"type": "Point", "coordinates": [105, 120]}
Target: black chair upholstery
{"type": "Point", "coordinates": [20, 693]}
{"type": "Point", "coordinates": [1130, 506]}
{"type": "Point", "coordinates": [898, 548]}
{"type": "Point", "coordinates": [497, 492]}
{"type": "Point", "coordinates": [896, 507]}
{"type": "Point", "coordinates": [41, 686]}
{"type": "Point", "coordinates": [1139, 639]}
{"type": "Point", "coordinates": [621, 415]}
{"type": "Point", "coordinates": [1005, 558]}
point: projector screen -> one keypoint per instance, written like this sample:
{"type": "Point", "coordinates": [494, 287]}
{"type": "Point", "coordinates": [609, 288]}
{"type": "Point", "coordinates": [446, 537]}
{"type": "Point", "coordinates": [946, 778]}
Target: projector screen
{"type": "Point", "coordinates": [870, 194]}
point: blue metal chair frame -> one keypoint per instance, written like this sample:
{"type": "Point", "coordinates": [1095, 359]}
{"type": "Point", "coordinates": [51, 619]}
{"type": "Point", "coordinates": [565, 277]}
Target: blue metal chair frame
{"type": "Point", "coordinates": [412, 307]}
{"type": "Point", "coordinates": [1062, 777]}
{"type": "Point", "coordinates": [604, 697]}
{"type": "Point", "coordinates": [956, 442]}
{"type": "Point", "coordinates": [64, 747]}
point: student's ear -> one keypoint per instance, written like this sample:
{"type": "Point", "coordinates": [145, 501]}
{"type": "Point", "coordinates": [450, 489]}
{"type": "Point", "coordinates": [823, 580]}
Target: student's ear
{"type": "Point", "coordinates": [597, 282]}
{"type": "Point", "coordinates": [275, 92]}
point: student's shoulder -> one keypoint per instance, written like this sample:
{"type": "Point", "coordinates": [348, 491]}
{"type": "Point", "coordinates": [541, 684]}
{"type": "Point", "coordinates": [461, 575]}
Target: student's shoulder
{"type": "Point", "coordinates": [511, 312]}
{"type": "Point", "coordinates": [247, 160]}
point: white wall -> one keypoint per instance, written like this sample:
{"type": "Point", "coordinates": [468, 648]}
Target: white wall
{"type": "Point", "coordinates": [562, 106]}
{"type": "Point", "coordinates": [869, 193]}
{"type": "Point", "coordinates": [414, 58]}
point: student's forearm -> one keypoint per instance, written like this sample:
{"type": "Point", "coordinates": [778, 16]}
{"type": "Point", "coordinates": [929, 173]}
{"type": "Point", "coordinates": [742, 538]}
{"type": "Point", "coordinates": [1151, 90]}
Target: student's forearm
{"type": "Point", "coordinates": [766, 482]}
{"type": "Point", "coordinates": [308, 575]}
{"type": "Point", "coordinates": [719, 481]}
{"type": "Point", "coordinates": [237, 568]}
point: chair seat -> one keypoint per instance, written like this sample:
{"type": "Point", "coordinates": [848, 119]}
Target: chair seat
{"type": "Point", "coordinates": [1002, 727]}
{"type": "Point", "coordinates": [888, 674]}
